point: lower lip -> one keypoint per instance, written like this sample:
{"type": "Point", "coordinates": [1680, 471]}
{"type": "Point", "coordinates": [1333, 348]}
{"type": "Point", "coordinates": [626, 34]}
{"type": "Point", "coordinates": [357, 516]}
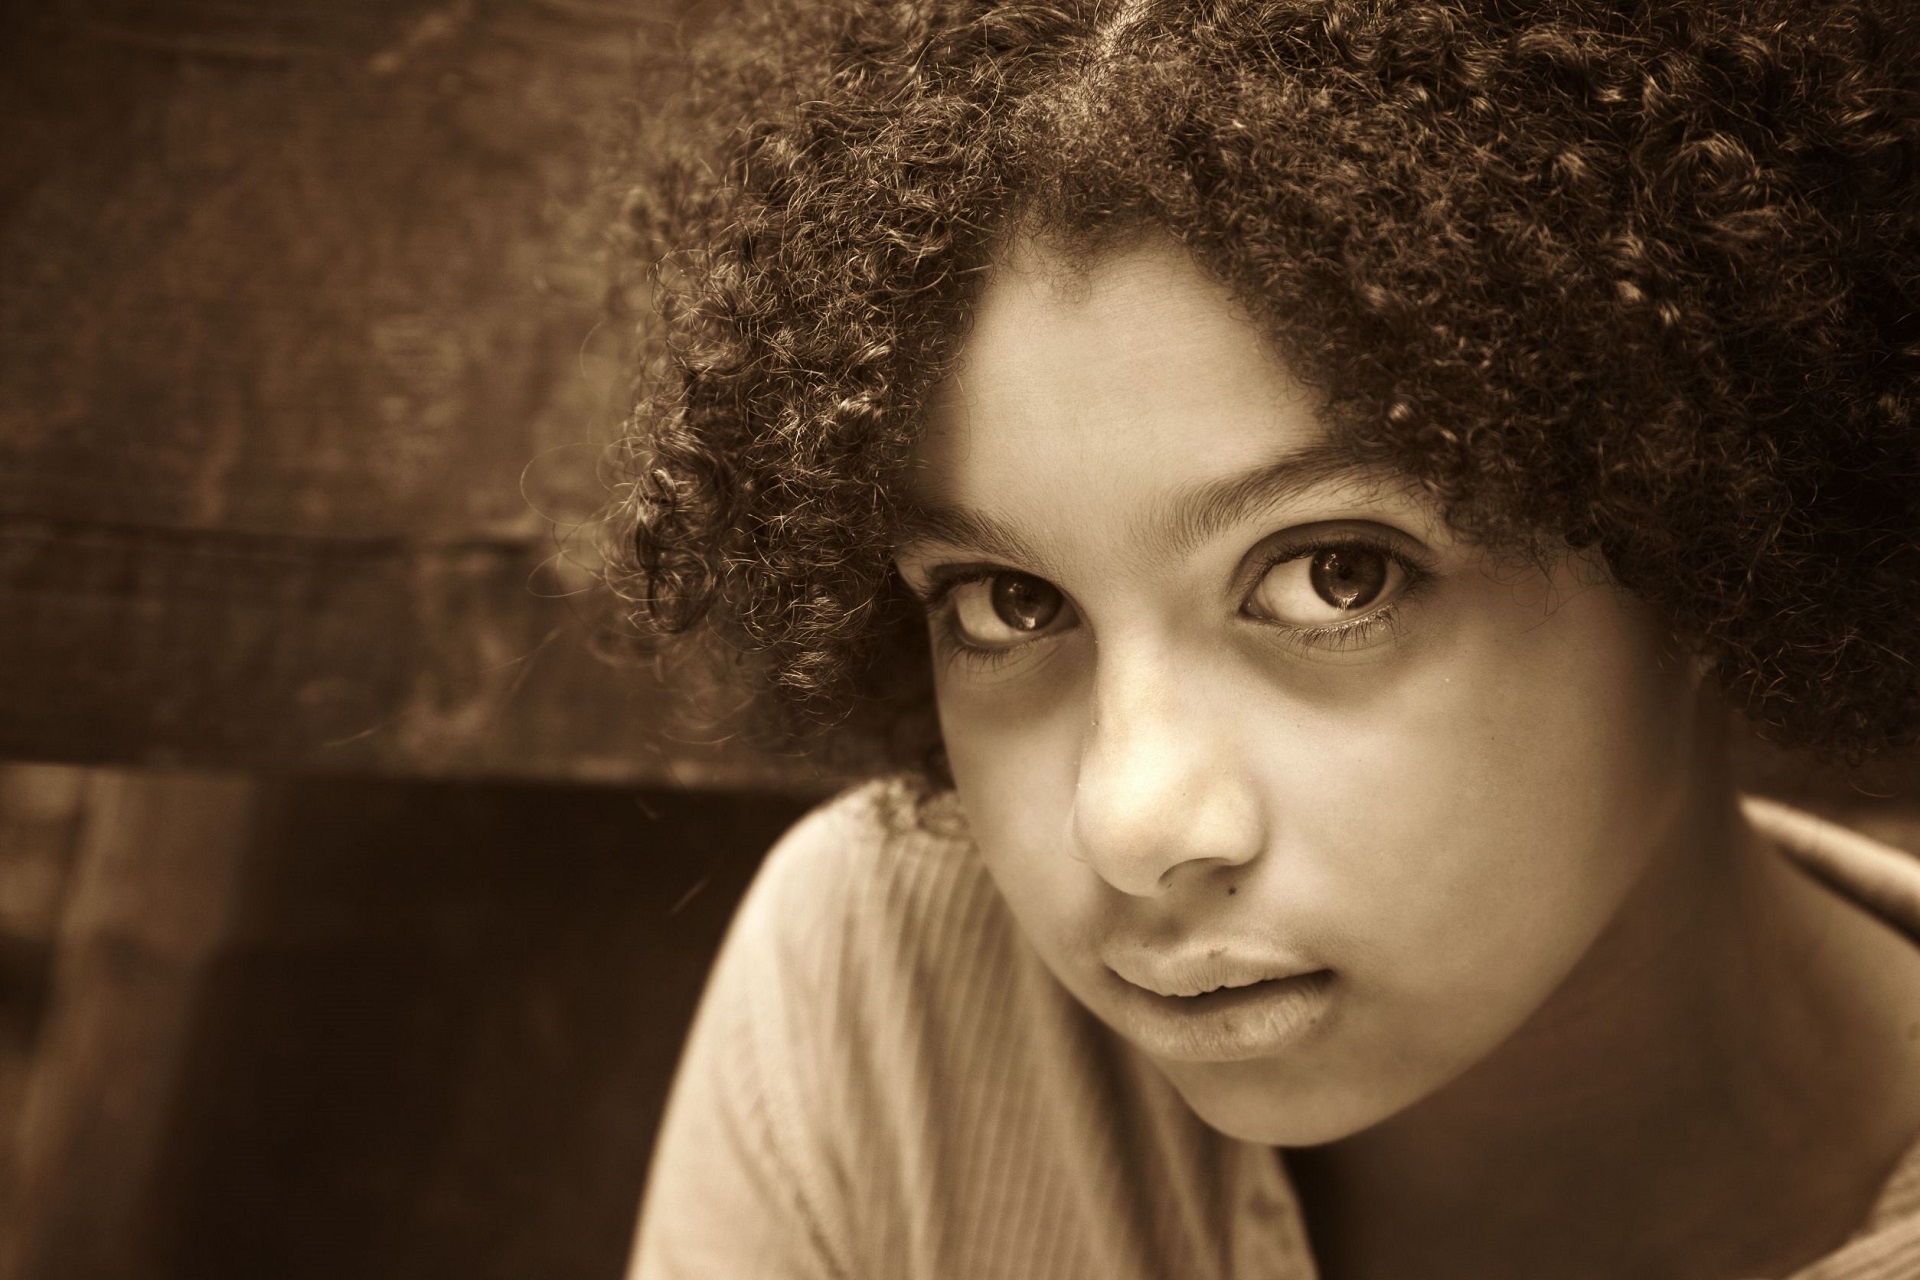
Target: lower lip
{"type": "Point", "coordinates": [1229, 1025]}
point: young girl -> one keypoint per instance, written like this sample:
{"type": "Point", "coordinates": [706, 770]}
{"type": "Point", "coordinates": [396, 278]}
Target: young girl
{"type": "Point", "coordinates": [1302, 489]}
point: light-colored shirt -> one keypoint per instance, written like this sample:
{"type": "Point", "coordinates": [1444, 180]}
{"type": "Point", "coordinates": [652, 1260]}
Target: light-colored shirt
{"type": "Point", "coordinates": [885, 1083]}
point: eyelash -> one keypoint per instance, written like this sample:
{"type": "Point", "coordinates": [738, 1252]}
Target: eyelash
{"type": "Point", "coordinates": [1353, 633]}
{"type": "Point", "coordinates": [937, 600]}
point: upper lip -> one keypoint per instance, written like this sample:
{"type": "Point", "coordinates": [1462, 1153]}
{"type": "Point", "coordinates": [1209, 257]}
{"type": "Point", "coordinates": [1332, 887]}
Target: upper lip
{"type": "Point", "coordinates": [1197, 970]}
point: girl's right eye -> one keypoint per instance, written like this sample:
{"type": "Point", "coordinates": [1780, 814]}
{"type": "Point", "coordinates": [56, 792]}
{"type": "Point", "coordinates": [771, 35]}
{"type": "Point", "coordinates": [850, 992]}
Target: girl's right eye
{"type": "Point", "coordinates": [1006, 610]}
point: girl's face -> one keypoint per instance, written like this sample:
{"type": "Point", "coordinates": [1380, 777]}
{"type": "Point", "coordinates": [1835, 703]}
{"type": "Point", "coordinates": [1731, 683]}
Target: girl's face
{"type": "Point", "coordinates": [1307, 798]}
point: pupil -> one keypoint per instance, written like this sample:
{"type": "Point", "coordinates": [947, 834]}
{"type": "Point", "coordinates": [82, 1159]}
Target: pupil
{"type": "Point", "coordinates": [1024, 603]}
{"type": "Point", "coordinates": [1348, 578]}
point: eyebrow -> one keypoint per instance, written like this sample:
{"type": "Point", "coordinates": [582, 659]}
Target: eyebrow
{"type": "Point", "coordinates": [1190, 519]}
{"type": "Point", "coordinates": [1203, 513]}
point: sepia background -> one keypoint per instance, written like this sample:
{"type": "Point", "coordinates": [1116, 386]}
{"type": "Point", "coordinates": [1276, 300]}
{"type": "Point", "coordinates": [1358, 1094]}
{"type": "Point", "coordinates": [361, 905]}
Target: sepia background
{"type": "Point", "coordinates": [351, 909]}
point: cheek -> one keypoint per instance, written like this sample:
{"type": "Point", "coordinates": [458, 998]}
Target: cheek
{"type": "Point", "coordinates": [1014, 755]}
{"type": "Point", "coordinates": [1456, 847]}
{"type": "Point", "coordinates": [1513, 793]}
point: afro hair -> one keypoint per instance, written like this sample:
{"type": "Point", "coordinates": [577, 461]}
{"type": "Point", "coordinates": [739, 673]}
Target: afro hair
{"type": "Point", "coordinates": [1636, 275]}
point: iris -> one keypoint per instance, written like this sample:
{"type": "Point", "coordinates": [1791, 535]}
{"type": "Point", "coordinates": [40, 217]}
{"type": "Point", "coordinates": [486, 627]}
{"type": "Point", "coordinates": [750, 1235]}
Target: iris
{"type": "Point", "coordinates": [1024, 602]}
{"type": "Point", "coordinates": [1348, 577]}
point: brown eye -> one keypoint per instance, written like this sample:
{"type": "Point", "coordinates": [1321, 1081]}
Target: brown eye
{"type": "Point", "coordinates": [1348, 577]}
{"type": "Point", "coordinates": [1023, 602]}
{"type": "Point", "coordinates": [1003, 610]}
{"type": "Point", "coordinates": [1328, 586]}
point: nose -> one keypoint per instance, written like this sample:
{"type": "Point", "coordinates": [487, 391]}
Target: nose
{"type": "Point", "coordinates": [1162, 791]}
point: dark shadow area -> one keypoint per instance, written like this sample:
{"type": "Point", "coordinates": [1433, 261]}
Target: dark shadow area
{"type": "Point", "coordinates": [439, 1038]}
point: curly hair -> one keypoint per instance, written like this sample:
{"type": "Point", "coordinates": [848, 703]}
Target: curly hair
{"type": "Point", "coordinates": [1637, 275]}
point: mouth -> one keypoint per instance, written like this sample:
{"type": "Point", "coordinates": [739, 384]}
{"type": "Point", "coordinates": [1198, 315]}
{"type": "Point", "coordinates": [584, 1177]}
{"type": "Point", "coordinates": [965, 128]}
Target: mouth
{"type": "Point", "coordinates": [1198, 972]}
{"type": "Point", "coordinates": [1225, 1019]}
{"type": "Point", "coordinates": [1225, 992]}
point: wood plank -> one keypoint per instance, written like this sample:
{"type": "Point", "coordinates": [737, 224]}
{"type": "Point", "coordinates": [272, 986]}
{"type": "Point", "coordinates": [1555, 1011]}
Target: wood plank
{"type": "Point", "coordinates": [376, 656]}
{"type": "Point", "coordinates": [303, 361]}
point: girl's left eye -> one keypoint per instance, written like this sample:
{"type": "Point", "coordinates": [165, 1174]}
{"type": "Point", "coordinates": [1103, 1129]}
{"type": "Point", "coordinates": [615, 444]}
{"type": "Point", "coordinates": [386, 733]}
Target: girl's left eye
{"type": "Point", "coordinates": [1327, 585]}
{"type": "Point", "coordinates": [1004, 610]}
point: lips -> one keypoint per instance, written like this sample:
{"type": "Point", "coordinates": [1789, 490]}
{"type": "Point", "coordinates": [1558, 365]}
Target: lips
{"type": "Point", "coordinates": [1216, 1003]}
{"type": "Point", "coordinates": [1200, 974]}
{"type": "Point", "coordinates": [1198, 970]}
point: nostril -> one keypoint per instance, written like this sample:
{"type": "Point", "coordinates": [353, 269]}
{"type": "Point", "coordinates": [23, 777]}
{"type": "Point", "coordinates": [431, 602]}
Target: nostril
{"type": "Point", "coordinates": [1140, 839]}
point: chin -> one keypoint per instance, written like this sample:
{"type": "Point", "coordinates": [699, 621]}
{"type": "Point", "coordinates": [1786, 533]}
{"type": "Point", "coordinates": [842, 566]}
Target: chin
{"type": "Point", "coordinates": [1254, 1107]}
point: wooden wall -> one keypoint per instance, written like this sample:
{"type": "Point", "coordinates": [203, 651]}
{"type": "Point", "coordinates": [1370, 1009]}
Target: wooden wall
{"type": "Point", "coordinates": [350, 920]}
{"type": "Point", "coordinates": [304, 369]}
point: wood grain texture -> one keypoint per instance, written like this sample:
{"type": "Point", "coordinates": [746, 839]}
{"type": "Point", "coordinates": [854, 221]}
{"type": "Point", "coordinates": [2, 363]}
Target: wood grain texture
{"type": "Point", "coordinates": [303, 383]}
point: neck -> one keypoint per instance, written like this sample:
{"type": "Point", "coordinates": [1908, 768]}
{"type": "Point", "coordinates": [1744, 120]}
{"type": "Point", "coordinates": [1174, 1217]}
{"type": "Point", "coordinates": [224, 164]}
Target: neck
{"type": "Point", "coordinates": [1733, 1042]}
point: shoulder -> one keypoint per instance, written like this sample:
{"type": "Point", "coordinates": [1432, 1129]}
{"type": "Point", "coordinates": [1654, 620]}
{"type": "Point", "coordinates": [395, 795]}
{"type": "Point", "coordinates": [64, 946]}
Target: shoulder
{"type": "Point", "coordinates": [870, 941]}
{"type": "Point", "coordinates": [879, 865]}
{"type": "Point", "coordinates": [807, 1062]}
{"type": "Point", "coordinates": [1874, 873]}
{"type": "Point", "coordinates": [879, 830]}
{"type": "Point", "coordinates": [868, 980]}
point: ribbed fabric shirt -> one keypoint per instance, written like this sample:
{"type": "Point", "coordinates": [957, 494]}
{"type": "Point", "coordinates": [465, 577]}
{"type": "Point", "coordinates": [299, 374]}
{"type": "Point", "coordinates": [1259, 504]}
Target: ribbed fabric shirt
{"type": "Point", "coordinates": [885, 1083]}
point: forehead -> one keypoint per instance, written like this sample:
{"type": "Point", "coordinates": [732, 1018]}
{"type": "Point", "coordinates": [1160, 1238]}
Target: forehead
{"type": "Point", "coordinates": [1107, 395]}
{"type": "Point", "coordinates": [1138, 343]}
